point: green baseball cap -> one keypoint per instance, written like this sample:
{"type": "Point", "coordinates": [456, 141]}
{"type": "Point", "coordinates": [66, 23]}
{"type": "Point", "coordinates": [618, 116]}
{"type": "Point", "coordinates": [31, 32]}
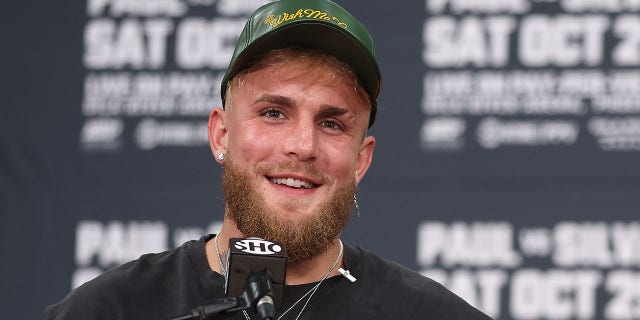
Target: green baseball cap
{"type": "Point", "coordinates": [319, 24]}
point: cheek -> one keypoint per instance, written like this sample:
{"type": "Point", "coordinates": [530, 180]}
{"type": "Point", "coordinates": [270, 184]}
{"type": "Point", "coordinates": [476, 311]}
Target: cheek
{"type": "Point", "coordinates": [251, 142]}
{"type": "Point", "coordinates": [340, 162]}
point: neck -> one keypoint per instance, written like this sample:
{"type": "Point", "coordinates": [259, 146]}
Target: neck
{"type": "Point", "coordinates": [299, 272]}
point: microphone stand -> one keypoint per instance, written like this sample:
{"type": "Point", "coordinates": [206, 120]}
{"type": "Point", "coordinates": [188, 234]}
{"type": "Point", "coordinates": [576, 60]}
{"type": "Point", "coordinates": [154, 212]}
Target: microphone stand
{"type": "Point", "coordinates": [255, 295]}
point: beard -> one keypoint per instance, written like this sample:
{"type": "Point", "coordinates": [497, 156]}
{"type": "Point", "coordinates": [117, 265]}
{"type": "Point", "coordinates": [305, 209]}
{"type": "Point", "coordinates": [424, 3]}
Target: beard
{"type": "Point", "coordinates": [303, 238]}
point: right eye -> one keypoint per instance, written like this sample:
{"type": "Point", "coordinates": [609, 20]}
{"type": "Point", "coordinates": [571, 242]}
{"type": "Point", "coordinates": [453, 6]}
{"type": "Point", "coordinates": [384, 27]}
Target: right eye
{"type": "Point", "coordinates": [273, 114]}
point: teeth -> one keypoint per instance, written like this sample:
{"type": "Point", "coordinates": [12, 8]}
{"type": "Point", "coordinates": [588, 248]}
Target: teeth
{"type": "Point", "coordinates": [292, 182]}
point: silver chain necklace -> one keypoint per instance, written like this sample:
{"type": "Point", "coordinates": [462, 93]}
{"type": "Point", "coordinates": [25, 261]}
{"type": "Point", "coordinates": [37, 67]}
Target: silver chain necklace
{"type": "Point", "coordinates": [309, 293]}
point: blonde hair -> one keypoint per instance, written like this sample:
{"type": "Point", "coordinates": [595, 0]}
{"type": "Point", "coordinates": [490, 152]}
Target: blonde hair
{"type": "Point", "coordinates": [327, 68]}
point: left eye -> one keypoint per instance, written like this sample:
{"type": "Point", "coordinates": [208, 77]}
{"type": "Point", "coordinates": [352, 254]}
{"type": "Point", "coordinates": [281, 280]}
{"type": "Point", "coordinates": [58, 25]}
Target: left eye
{"type": "Point", "coordinates": [331, 124]}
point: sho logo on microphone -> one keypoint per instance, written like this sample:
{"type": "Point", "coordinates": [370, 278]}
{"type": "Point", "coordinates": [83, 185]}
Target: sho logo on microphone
{"type": "Point", "coordinates": [257, 246]}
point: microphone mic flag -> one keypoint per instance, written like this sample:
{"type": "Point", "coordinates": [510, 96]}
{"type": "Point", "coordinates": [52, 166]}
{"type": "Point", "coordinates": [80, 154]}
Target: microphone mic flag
{"type": "Point", "coordinates": [251, 255]}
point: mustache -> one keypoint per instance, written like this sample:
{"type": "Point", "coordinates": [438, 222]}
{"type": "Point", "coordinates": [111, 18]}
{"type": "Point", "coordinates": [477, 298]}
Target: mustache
{"type": "Point", "coordinates": [309, 170]}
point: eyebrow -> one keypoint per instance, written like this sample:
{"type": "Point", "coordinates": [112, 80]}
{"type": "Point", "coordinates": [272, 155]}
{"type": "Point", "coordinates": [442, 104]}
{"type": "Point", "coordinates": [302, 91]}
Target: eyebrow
{"type": "Point", "coordinates": [275, 99]}
{"type": "Point", "coordinates": [332, 111]}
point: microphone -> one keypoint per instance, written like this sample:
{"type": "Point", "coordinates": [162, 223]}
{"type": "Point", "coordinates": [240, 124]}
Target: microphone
{"type": "Point", "coordinates": [254, 278]}
{"type": "Point", "coordinates": [249, 261]}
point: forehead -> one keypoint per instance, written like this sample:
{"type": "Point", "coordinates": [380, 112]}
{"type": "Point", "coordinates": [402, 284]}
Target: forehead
{"type": "Point", "coordinates": [300, 80]}
{"type": "Point", "coordinates": [292, 61]}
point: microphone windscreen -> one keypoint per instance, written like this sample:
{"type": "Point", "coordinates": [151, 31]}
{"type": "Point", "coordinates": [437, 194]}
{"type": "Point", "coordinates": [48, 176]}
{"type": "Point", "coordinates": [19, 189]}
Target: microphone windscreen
{"type": "Point", "coordinates": [246, 256]}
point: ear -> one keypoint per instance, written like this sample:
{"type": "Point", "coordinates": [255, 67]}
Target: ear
{"type": "Point", "coordinates": [218, 132]}
{"type": "Point", "coordinates": [364, 157]}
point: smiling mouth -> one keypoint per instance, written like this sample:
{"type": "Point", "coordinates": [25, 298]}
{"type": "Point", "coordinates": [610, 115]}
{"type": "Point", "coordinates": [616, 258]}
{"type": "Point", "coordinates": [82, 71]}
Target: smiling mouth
{"type": "Point", "coordinates": [294, 183]}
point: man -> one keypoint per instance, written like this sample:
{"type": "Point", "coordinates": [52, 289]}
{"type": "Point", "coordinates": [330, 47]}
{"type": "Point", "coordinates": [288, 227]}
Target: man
{"type": "Point", "coordinates": [299, 96]}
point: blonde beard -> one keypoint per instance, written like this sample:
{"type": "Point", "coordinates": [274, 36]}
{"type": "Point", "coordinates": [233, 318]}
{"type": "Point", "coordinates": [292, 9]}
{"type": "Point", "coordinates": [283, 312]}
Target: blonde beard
{"type": "Point", "coordinates": [304, 239]}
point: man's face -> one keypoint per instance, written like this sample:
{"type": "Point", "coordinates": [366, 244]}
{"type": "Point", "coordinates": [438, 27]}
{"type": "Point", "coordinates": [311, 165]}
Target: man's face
{"type": "Point", "coordinates": [295, 152]}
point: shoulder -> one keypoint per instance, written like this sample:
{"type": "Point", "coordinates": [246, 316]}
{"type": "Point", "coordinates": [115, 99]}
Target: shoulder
{"type": "Point", "coordinates": [378, 270]}
{"type": "Point", "coordinates": [111, 294]}
{"type": "Point", "coordinates": [420, 295]}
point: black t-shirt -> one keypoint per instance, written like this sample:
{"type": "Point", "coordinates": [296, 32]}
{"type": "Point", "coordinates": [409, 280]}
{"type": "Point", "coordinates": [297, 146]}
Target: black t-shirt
{"type": "Point", "coordinates": [169, 284]}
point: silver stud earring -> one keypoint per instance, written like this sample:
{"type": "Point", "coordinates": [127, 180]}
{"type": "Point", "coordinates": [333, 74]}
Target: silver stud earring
{"type": "Point", "coordinates": [221, 156]}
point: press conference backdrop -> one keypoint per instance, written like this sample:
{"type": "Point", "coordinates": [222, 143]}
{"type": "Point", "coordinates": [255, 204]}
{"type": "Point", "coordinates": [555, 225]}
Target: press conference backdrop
{"type": "Point", "coordinates": [506, 164]}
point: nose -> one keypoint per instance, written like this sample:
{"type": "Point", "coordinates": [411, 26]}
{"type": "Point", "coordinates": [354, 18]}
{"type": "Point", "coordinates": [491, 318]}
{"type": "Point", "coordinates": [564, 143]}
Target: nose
{"type": "Point", "coordinates": [301, 143]}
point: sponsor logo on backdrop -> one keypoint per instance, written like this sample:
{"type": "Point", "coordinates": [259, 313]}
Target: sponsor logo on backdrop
{"type": "Point", "coordinates": [153, 70]}
{"type": "Point", "coordinates": [443, 133]}
{"type": "Point", "coordinates": [570, 270]}
{"type": "Point", "coordinates": [101, 245]}
{"type": "Point", "coordinates": [616, 133]}
{"type": "Point", "coordinates": [102, 133]}
{"type": "Point", "coordinates": [513, 70]}
{"type": "Point", "coordinates": [493, 133]}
